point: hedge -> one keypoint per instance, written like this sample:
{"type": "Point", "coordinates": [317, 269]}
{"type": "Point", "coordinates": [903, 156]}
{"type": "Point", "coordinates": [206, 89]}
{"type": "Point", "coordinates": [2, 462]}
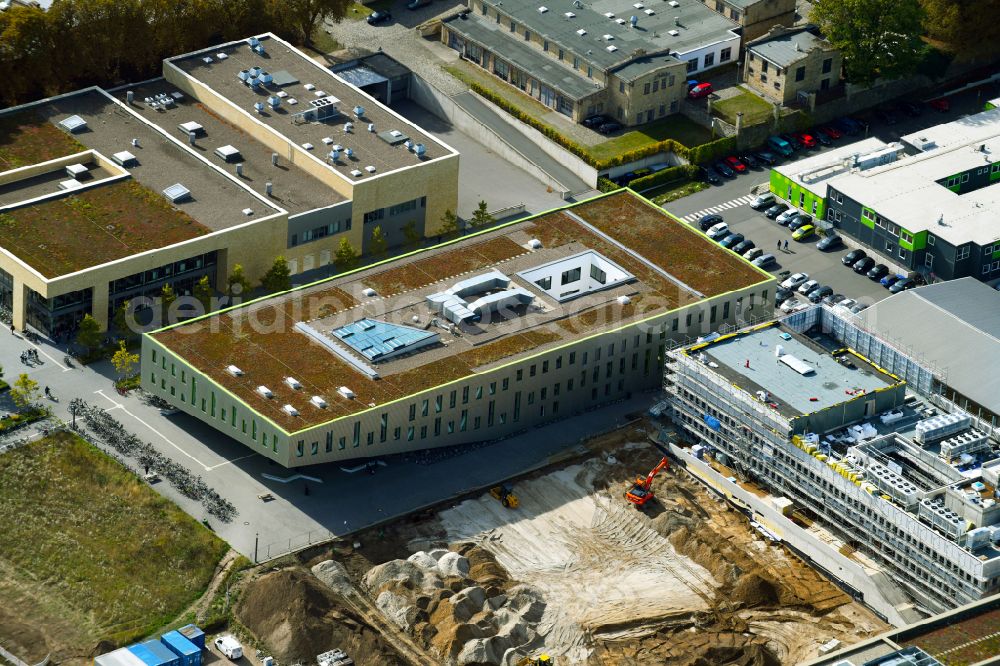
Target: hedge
{"type": "Point", "coordinates": [713, 150]}
{"type": "Point", "coordinates": [606, 185]}
{"type": "Point", "coordinates": [665, 176]}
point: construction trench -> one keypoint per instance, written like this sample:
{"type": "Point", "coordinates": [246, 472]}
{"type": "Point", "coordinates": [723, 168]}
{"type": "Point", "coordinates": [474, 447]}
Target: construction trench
{"type": "Point", "coordinates": [575, 571]}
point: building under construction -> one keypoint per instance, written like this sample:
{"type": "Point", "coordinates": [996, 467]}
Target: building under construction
{"type": "Point", "coordinates": [820, 411]}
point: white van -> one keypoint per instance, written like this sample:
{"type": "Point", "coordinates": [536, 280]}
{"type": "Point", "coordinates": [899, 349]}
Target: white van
{"type": "Point", "coordinates": [229, 646]}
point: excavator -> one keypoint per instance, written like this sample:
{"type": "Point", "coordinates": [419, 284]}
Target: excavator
{"type": "Point", "coordinates": [541, 660]}
{"type": "Point", "coordinates": [642, 490]}
{"type": "Point", "coordinates": [506, 495]}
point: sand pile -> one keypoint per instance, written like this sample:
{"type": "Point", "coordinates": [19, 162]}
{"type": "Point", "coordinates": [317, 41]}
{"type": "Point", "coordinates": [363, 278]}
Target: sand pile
{"type": "Point", "coordinates": [298, 618]}
{"type": "Point", "coordinates": [436, 596]}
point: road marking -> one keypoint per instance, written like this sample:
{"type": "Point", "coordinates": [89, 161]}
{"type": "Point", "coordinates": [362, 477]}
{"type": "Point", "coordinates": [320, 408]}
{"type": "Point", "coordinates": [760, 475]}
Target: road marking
{"type": "Point", "coordinates": [116, 404]}
{"type": "Point", "coordinates": [739, 201]}
{"type": "Point", "coordinates": [209, 469]}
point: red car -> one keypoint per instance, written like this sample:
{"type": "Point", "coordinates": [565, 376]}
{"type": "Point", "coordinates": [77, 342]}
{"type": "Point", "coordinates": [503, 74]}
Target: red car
{"type": "Point", "coordinates": [806, 139]}
{"type": "Point", "coordinates": [736, 164]}
{"type": "Point", "coordinates": [831, 132]}
{"type": "Point", "coordinates": [700, 90]}
{"type": "Point", "coordinates": [942, 104]}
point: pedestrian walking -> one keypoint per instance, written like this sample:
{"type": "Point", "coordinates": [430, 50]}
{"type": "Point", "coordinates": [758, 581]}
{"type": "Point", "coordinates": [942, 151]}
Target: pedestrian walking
{"type": "Point", "coordinates": [779, 245]}
{"type": "Point", "coordinates": [786, 244]}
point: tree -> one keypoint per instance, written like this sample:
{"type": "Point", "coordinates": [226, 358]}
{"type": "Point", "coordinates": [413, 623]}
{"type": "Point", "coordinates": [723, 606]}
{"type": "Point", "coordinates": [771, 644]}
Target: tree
{"type": "Point", "coordinates": [481, 217]}
{"type": "Point", "coordinates": [89, 333]}
{"type": "Point", "coordinates": [203, 292]}
{"type": "Point", "coordinates": [121, 319]}
{"type": "Point", "coordinates": [278, 277]}
{"type": "Point", "coordinates": [167, 298]}
{"type": "Point", "coordinates": [961, 26]}
{"type": "Point", "coordinates": [449, 223]}
{"type": "Point", "coordinates": [124, 360]}
{"type": "Point", "coordinates": [377, 243]}
{"type": "Point", "coordinates": [878, 38]}
{"type": "Point", "coordinates": [238, 282]}
{"type": "Point", "coordinates": [304, 16]}
{"type": "Point", "coordinates": [24, 393]}
{"type": "Point", "coordinates": [346, 256]}
{"type": "Point", "coordinates": [411, 236]}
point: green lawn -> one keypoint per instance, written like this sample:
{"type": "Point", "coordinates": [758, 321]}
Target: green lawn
{"type": "Point", "coordinates": [668, 193]}
{"type": "Point", "coordinates": [357, 11]}
{"type": "Point", "coordinates": [90, 553]}
{"type": "Point", "coordinates": [755, 110]}
{"type": "Point", "coordinates": [323, 43]}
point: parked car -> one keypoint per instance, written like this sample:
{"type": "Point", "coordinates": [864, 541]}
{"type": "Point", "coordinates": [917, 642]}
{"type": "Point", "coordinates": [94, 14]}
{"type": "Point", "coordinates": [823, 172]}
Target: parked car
{"type": "Point", "coordinates": [886, 115]}
{"type": "Point", "coordinates": [743, 246]}
{"type": "Point", "coordinates": [764, 261]}
{"type": "Point", "coordinates": [847, 303]}
{"type": "Point", "coordinates": [627, 178]}
{"type": "Point", "coordinates": [691, 83]}
{"type": "Point", "coordinates": [379, 16]}
{"type": "Point", "coordinates": [609, 128]}
{"type": "Point", "coordinates": [804, 232]}
{"type": "Point", "coordinates": [794, 280]}
{"type": "Point", "coordinates": [877, 272]}
{"type": "Point", "coordinates": [593, 122]}
{"type": "Point", "coordinates": [779, 145]}
{"type": "Point", "coordinates": [718, 231]}
{"type": "Point", "coordinates": [762, 201]}
{"type": "Point", "coordinates": [818, 295]}
{"type": "Point", "coordinates": [417, 4]}
{"type": "Point", "coordinates": [848, 126]}
{"type": "Point", "coordinates": [708, 175]}
{"type": "Point", "coordinates": [751, 161]}
{"type": "Point", "coordinates": [700, 90]}
{"type": "Point", "coordinates": [709, 221]}
{"type": "Point", "coordinates": [853, 256]}
{"type": "Point", "coordinates": [830, 242]}
{"type": "Point", "coordinates": [787, 216]}
{"type": "Point", "coordinates": [792, 305]}
{"type": "Point", "coordinates": [230, 647]}
{"type": "Point", "coordinates": [735, 164]}
{"type": "Point", "coordinates": [775, 210]}
{"type": "Point", "coordinates": [765, 157]}
{"type": "Point", "coordinates": [781, 295]}
{"type": "Point", "coordinates": [731, 240]}
{"type": "Point", "coordinates": [942, 105]}
{"type": "Point", "coordinates": [799, 221]}
{"type": "Point", "coordinates": [858, 307]}
{"type": "Point", "coordinates": [830, 132]}
{"type": "Point", "coordinates": [890, 280]}
{"type": "Point", "coordinates": [806, 287]}
{"type": "Point", "coordinates": [911, 109]}
{"type": "Point", "coordinates": [792, 140]}
{"type": "Point", "coordinates": [833, 299]}
{"type": "Point", "coordinates": [753, 253]}
{"type": "Point", "coordinates": [806, 139]}
{"type": "Point", "coordinates": [724, 169]}
{"type": "Point", "coordinates": [822, 138]}
{"type": "Point", "coordinates": [862, 266]}
{"type": "Point", "coordinates": [902, 285]}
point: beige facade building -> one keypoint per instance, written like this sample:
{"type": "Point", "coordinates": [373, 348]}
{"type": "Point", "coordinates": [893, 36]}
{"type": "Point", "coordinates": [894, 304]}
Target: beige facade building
{"type": "Point", "coordinates": [240, 153]}
{"type": "Point", "coordinates": [624, 60]}
{"type": "Point", "coordinates": [468, 341]}
{"type": "Point", "coordinates": [788, 65]}
{"type": "Point", "coordinates": [755, 17]}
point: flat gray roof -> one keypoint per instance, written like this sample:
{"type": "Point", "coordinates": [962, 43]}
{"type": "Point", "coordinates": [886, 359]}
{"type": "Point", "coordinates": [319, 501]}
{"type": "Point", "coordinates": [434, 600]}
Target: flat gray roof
{"type": "Point", "coordinates": [785, 50]}
{"type": "Point", "coordinates": [293, 188]}
{"type": "Point", "coordinates": [221, 75]}
{"type": "Point", "coordinates": [751, 357]}
{"type": "Point", "coordinates": [954, 325]}
{"type": "Point", "coordinates": [546, 69]}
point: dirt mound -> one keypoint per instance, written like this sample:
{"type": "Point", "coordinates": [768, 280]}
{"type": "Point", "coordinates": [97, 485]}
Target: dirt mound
{"type": "Point", "coordinates": [753, 590]}
{"type": "Point", "coordinates": [748, 655]}
{"type": "Point", "coordinates": [297, 618]}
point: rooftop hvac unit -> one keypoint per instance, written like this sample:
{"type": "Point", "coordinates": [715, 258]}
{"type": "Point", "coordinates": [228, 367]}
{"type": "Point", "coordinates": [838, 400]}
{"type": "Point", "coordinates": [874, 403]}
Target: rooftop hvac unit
{"type": "Point", "coordinates": [349, 152]}
{"type": "Point", "coordinates": [228, 153]}
{"type": "Point", "coordinates": [674, 3]}
{"type": "Point", "coordinates": [234, 371]}
{"type": "Point", "coordinates": [348, 127]}
{"type": "Point", "coordinates": [420, 150]}
{"type": "Point", "coordinates": [334, 155]}
{"type": "Point", "coordinates": [371, 127]}
{"type": "Point", "coordinates": [327, 140]}
{"type": "Point", "coordinates": [253, 41]}
{"type": "Point", "coordinates": [308, 146]}
{"type": "Point", "coordinates": [569, 14]}
{"type": "Point", "coordinates": [581, 32]}
{"type": "Point", "coordinates": [317, 401]}
{"type": "Point", "coordinates": [941, 426]}
{"type": "Point", "coordinates": [73, 124]}
{"type": "Point", "coordinates": [76, 170]}
{"type": "Point", "coordinates": [176, 193]}
{"type": "Point", "coordinates": [293, 383]}
{"type": "Point", "coordinates": [260, 51]}
{"type": "Point", "coordinates": [291, 411]}
{"type": "Point", "coordinates": [648, 12]}
{"type": "Point", "coordinates": [265, 78]}
{"type": "Point", "coordinates": [274, 101]}
{"type": "Point", "coordinates": [264, 391]}
{"type": "Point", "coordinates": [609, 15]}
{"type": "Point", "coordinates": [543, 9]}
{"type": "Point", "coordinates": [359, 111]}
{"type": "Point", "coordinates": [191, 126]}
{"type": "Point", "coordinates": [673, 33]}
{"type": "Point", "coordinates": [125, 158]}
{"type": "Point", "coordinates": [346, 392]}
{"type": "Point", "coordinates": [356, 173]}
{"type": "Point", "coordinates": [243, 75]}
{"type": "Point", "coordinates": [370, 169]}
{"type": "Point", "coordinates": [207, 60]}
{"type": "Point", "coordinates": [221, 56]}
{"type": "Point", "coordinates": [259, 107]}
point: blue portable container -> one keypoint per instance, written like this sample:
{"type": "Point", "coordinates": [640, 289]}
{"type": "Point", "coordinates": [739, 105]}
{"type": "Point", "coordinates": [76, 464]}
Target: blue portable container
{"type": "Point", "coordinates": [193, 634]}
{"type": "Point", "coordinates": [189, 653]}
{"type": "Point", "coordinates": [154, 653]}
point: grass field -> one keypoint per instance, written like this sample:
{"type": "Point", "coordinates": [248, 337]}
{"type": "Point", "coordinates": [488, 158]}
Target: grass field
{"type": "Point", "coordinates": [91, 556]}
{"type": "Point", "coordinates": [755, 110]}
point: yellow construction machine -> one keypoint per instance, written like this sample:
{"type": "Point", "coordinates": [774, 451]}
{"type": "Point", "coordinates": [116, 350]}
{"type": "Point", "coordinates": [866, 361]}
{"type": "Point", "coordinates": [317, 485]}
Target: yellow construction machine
{"type": "Point", "coordinates": [540, 660]}
{"type": "Point", "coordinates": [506, 495]}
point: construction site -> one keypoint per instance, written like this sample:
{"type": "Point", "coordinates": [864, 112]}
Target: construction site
{"type": "Point", "coordinates": [588, 560]}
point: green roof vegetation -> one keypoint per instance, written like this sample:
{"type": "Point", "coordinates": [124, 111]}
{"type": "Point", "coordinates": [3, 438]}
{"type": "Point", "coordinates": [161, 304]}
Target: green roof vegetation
{"type": "Point", "coordinates": [94, 226]}
{"type": "Point", "coordinates": [26, 138]}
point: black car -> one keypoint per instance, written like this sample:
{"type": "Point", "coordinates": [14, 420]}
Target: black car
{"type": "Point", "coordinates": [890, 280]}
{"type": "Point", "coordinates": [822, 138]}
{"type": "Point", "coordinates": [902, 285]}
{"type": "Point", "coordinates": [792, 140]}
{"type": "Point", "coordinates": [731, 240]}
{"type": "Point", "coordinates": [783, 295]}
{"type": "Point", "coordinates": [709, 221]}
{"type": "Point", "coordinates": [751, 161]}
{"type": "Point", "coordinates": [862, 266]}
{"type": "Point", "coordinates": [609, 128]}
{"type": "Point", "coordinates": [887, 116]}
{"type": "Point", "coordinates": [724, 169]}
{"type": "Point", "coordinates": [775, 210]}
{"type": "Point", "coordinates": [817, 295]}
{"type": "Point", "coordinates": [765, 157]}
{"type": "Point", "coordinates": [833, 299]}
{"type": "Point", "coordinates": [830, 242]}
{"type": "Point", "coordinates": [853, 256]}
{"type": "Point", "coordinates": [743, 246]}
{"type": "Point", "coordinates": [911, 109]}
{"type": "Point", "coordinates": [708, 176]}
{"type": "Point", "coordinates": [380, 16]}
{"type": "Point", "coordinates": [593, 122]}
{"type": "Point", "coordinates": [877, 272]}
{"type": "Point", "coordinates": [799, 221]}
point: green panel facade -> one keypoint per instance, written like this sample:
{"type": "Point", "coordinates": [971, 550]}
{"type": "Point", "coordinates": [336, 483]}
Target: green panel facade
{"type": "Point", "coordinates": [798, 196]}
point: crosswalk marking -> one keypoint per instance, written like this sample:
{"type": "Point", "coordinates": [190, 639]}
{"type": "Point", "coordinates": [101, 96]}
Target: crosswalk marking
{"type": "Point", "coordinates": [739, 201]}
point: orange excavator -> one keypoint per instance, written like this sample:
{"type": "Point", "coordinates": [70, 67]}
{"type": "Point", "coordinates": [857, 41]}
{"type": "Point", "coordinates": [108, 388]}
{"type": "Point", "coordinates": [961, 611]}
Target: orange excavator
{"type": "Point", "coordinates": [642, 490]}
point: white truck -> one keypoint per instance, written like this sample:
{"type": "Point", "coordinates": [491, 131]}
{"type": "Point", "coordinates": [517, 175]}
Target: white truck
{"type": "Point", "coordinates": [229, 646]}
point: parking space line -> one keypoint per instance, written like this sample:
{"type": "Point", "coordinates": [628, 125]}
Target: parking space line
{"type": "Point", "coordinates": [227, 462]}
{"type": "Point", "coordinates": [154, 430]}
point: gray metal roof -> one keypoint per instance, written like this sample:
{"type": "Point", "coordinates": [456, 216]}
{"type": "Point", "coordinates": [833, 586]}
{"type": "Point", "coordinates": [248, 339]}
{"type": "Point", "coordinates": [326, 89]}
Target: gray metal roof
{"type": "Point", "coordinates": [543, 67]}
{"type": "Point", "coordinates": [782, 50]}
{"type": "Point", "coordinates": [954, 325]}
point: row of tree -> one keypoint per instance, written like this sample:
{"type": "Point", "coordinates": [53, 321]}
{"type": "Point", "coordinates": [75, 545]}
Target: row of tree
{"type": "Point", "coordinates": [76, 43]}
{"type": "Point", "coordinates": [890, 38]}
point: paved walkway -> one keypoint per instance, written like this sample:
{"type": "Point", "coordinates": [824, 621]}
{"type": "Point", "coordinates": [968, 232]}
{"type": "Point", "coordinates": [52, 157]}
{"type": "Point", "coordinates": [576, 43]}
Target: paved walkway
{"type": "Point", "coordinates": [478, 110]}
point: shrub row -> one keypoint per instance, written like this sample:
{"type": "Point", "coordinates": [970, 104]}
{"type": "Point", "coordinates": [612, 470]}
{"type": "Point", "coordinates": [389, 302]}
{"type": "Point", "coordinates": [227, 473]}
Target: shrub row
{"type": "Point", "coordinates": [664, 177]}
{"type": "Point", "coordinates": [607, 185]}
{"type": "Point", "coordinates": [713, 150]}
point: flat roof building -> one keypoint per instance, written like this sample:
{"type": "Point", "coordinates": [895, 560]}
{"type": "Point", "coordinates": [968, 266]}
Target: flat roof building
{"type": "Point", "coordinates": [468, 341]}
{"type": "Point", "coordinates": [111, 195]}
